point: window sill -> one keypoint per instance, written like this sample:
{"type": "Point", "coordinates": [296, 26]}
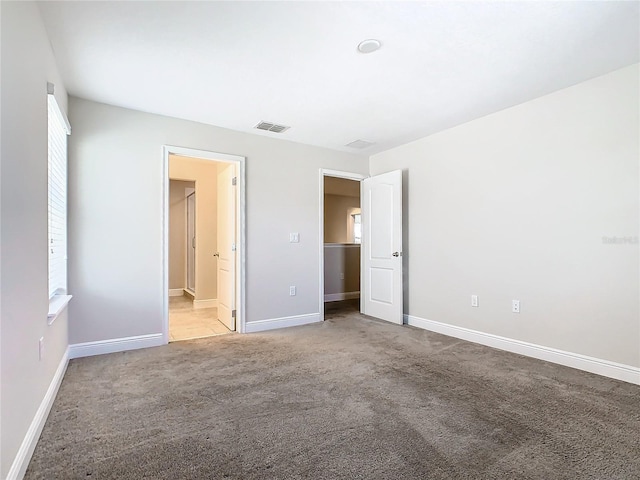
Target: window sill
{"type": "Point", "coordinates": [56, 305]}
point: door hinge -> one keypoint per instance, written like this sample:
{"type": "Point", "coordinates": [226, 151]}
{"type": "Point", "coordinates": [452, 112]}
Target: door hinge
{"type": "Point", "coordinates": [233, 314]}
{"type": "Point", "coordinates": [234, 180]}
{"type": "Point", "coordinates": [233, 247]}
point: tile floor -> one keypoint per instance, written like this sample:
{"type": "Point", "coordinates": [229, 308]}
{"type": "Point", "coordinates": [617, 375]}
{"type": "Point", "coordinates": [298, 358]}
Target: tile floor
{"type": "Point", "coordinates": [186, 323]}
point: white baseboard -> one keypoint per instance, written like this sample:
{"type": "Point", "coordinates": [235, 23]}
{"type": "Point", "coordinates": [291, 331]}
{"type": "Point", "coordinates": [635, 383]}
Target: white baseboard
{"type": "Point", "coordinates": [336, 297]}
{"type": "Point", "coordinates": [89, 349]}
{"type": "Point", "coordinates": [208, 303]}
{"type": "Point", "coordinates": [176, 292]}
{"type": "Point", "coordinates": [283, 322]}
{"type": "Point", "coordinates": [618, 371]}
{"type": "Point", "coordinates": [23, 457]}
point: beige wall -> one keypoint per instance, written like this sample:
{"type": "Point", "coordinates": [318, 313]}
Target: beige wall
{"type": "Point", "coordinates": [178, 233]}
{"type": "Point", "coordinates": [337, 217]}
{"type": "Point", "coordinates": [117, 262]}
{"type": "Point", "coordinates": [205, 175]}
{"type": "Point", "coordinates": [27, 65]}
{"type": "Point", "coordinates": [341, 186]}
{"type": "Point", "coordinates": [516, 205]}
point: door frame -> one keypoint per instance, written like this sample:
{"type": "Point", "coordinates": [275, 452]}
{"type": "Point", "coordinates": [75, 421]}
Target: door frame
{"type": "Point", "coordinates": [359, 177]}
{"type": "Point", "coordinates": [186, 281]}
{"type": "Point", "coordinates": [241, 208]}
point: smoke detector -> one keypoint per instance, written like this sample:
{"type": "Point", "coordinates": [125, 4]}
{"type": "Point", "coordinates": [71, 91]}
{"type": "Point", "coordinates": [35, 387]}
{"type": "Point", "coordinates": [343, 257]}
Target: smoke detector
{"type": "Point", "coordinates": [370, 45]}
{"type": "Point", "coordinates": [271, 127]}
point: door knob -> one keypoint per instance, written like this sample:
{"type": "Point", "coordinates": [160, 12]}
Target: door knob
{"type": "Point", "coordinates": [397, 254]}
{"type": "Point", "coordinates": [216, 254]}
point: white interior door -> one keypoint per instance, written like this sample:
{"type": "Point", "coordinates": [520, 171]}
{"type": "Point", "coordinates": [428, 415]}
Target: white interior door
{"type": "Point", "coordinates": [191, 242]}
{"type": "Point", "coordinates": [227, 246]}
{"type": "Point", "coordinates": [382, 246]}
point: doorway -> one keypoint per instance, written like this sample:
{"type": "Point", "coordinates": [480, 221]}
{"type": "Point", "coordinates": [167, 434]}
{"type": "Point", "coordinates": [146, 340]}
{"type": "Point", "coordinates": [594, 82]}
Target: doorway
{"type": "Point", "coordinates": [340, 240]}
{"type": "Point", "coordinates": [204, 239]}
{"type": "Point", "coordinates": [377, 225]}
{"type": "Point", "coordinates": [193, 231]}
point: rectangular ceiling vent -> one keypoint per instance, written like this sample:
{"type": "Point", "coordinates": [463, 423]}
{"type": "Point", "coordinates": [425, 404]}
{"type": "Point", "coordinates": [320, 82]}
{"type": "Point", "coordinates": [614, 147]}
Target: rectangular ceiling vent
{"type": "Point", "coordinates": [360, 144]}
{"type": "Point", "coordinates": [271, 127]}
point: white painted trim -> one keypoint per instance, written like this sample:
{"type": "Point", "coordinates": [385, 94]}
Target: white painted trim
{"type": "Point", "coordinates": [23, 457]}
{"type": "Point", "coordinates": [207, 303]}
{"type": "Point", "coordinates": [342, 174]}
{"type": "Point", "coordinates": [62, 117]}
{"type": "Point", "coordinates": [336, 297]}
{"type": "Point", "coordinates": [342, 245]}
{"type": "Point", "coordinates": [165, 244]}
{"type": "Point", "coordinates": [618, 371]}
{"type": "Point", "coordinates": [57, 304]}
{"type": "Point", "coordinates": [176, 292]}
{"type": "Point", "coordinates": [283, 322]}
{"type": "Point", "coordinates": [241, 260]}
{"type": "Point", "coordinates": [88, 349]}
{"type": "Point", "coordinates": [321, 244]}
{"type": "Point", "coordinates": [325, 172]}
{"type": "Point", "coordinates": [203, 154]}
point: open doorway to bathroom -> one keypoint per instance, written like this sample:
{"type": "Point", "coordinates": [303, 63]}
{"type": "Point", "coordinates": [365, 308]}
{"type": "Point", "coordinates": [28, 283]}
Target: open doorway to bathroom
{"type": "Point", "coordinates": [342, 240]}
{"type": "Point", "coordinates": [202, 228]}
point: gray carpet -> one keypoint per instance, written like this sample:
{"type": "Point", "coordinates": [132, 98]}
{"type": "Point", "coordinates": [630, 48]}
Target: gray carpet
{"type": "Point", "coordinates": [351, 398]}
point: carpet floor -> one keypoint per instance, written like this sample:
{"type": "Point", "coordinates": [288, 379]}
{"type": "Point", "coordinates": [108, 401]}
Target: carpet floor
{"type": "Point", "coordinates": [349, 398]}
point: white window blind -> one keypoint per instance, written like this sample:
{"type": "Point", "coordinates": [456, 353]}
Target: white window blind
{"type": "Point", "coordinates": [58, 131]}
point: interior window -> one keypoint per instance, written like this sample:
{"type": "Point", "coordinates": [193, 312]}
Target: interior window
{"type": "Point", "coordinates": [357, 227]}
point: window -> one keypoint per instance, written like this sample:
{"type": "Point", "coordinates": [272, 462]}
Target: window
{"type": "Point", "coordinates": [357, 227]}
{"type": "Point", "coordinates": [58, 129]}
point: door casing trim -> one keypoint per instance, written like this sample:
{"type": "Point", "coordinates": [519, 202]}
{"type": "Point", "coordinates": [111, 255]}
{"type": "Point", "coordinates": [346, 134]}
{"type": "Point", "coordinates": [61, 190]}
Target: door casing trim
{"type": "Point", "coordinates": [241, 209]}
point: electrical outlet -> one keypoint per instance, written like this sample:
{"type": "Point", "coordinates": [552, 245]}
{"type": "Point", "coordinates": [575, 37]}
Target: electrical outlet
{"type": "Point", "coordinates": [292, 291]}
{"type": "Point", "coordinates": [341, 276]}
{"type": "Point", "coordinates": [294, 238]}
{"type": "Point", "coordinates": [515, 306]}
{"type": "Point", "coordinates": [474, 300]}
{"type": "Point", "coordinates": [41, 348]}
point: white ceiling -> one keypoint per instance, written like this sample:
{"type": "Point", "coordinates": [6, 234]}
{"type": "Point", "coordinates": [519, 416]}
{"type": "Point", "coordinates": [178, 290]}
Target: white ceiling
{"type": "Point", "coordinates": [233, 64]}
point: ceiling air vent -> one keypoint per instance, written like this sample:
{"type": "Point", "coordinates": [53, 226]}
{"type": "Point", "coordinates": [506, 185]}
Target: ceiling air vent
{"type": "Point", "coordinates": [271, 127]}
{"type": "Point", "coordinates": [360, 144]}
